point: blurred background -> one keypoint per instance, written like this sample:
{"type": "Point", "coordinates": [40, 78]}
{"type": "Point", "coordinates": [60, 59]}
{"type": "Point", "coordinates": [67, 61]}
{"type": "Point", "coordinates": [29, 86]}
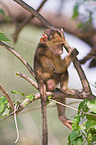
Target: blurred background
{"type": "Point", "coordinates": [58, 13]}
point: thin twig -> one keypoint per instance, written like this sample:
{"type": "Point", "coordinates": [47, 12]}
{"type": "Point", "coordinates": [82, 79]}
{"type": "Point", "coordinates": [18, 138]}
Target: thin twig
{"type": "Point", "coordinates": [54, 95]}
{"type": "Point", "coordinates": [34, 12]}
{"type": "Point", "coordinates": [92, 85]}
{"type": "Point", "coordinates": [17, 130]}
{"type": "Point", "coordinates": [27, 79]}
{"type": "Point", "coordinates": [18, 56]}
{"type": "Point", "coordinates": [72, 107]}
{"type": "Point", "coordinates": [28, 101]}
{"type": "Point", "coordinates": [7, 96]}
{"type": "Point", "coordinates": [15, 111]}
{"type": "Point", "coordinates": [37, 96]}
{"type": "Point", "coordinates": [62, 104]}
{"type": "Point", "coordinates": [12, 108]}
{"type": "Point", "coordinates": [26, 21]}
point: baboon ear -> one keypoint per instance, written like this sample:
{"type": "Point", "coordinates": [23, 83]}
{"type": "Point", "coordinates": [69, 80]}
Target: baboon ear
{"type": "Point", "coordinates": [43, 38]}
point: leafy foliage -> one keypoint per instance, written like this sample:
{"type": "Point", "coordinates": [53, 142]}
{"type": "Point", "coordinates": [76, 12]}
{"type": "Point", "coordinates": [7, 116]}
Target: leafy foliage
{"type": "Point", "coordinates": [84, 124]}
{"type": "Point", "coordinates": [6, 17]}
{"type": "Point", "coordinates": [75, 11]}
{"type": "Point", "coordinates": [2, 12]}
{"type": "Point", "coordinates": [84, 10]}
{"type": "Point", "coordinates": [17, 92]}
{"type": "Point", "coordinates": [4, 106]}
{"type": "Point", "coordinates": [30, 97]}
{"type": "Point", "coordinates": [92, 105]}
{"type": "Point", "coordinates": [3, 37]}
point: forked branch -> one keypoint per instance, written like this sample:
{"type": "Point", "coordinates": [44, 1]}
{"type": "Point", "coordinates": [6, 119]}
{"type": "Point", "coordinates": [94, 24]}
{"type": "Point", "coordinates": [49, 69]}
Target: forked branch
{"type": "Point", "coordinates": [34, 12]}
{"type": "Point", "coordinates": [80, 71]}
{"type": "Point", "coordinates": [27, 79]}
{"type": "Point", "coordinates": [26, 21]}
{"type": "Point", "coordinates": [7, 96]}
{"type": "Point", "coordinates": [86, 88]}
{"type": "Point", "coordinates": [18, 56]}
{"type": "Point", "coordinates": [77, 65]}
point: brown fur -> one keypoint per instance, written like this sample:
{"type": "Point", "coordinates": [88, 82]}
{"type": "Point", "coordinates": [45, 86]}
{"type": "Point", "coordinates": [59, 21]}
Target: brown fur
{"type": "Point", "coordinates": [50, 70]}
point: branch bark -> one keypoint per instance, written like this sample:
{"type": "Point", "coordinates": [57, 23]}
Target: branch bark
{"type": "Point", "coordinates": [86, 93]}
{"type": "Point", "coordinates": [55, 95]}
{"type": "Point", "coordinates": [34, 12]}
{"type": "Point", "coordinates": [69, 25]}
{"type": "Point", "coordinates": [26, 21]}
{"type": "Point", "coordinates": [77, 65]}
{"type": "Point", "coordinates": [82, 76]}
{"type": "Point", "coordinates": [7, 96]}
{"type": "Point", "coordinates": [27, 79]}
{"type": "Point", "coordinates": [18, 56]}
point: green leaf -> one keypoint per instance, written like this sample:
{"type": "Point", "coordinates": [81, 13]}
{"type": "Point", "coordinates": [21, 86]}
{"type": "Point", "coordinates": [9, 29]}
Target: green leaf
{"type": "Point", "coordinates": [17, 74]}
{"type": "Point", "coordinates": [3, 37]}
{"type": "Point", "coordinates": [74, 143]}
{"type": "Point", "coordinates": [78, 142]}
{"type": "Point", "coordinates": [92, 131]}
{"type": "Point", "coordinates": [30, 97]}
{"type": "Point", "coordinates": [90, 124]}
{"type": "Point", "coordinates": [92, 105]}
{"type": "Point", "coordinates": [75, 122]}
{"type": "Point", "coordinates": [17, 92]}
{"type": "Point", "coordinates": [6, 17]}
{"type": "Point", "coordinates": [2, 12]}
{"type": "Point", "coordinates": [6, 112]}
{"type": "Point", "coordinates": [1, 107]}
{"type": "Point", "coordinates": [91, 117]}
{"type": "Point", "coordinates": [74, 134]}
{"type": "Point", "coordinates": [3, 101]}
{"type": "Point", "coordinates": [69, 143]}
{"type": "Point", "coordinates": [48, 100]}
{"type": "Point", "coordinates": [81, 105]}
{"type": "Point", "coordinates": [80, 25]}
{"type": "Point", "coordinates": [75, 11]}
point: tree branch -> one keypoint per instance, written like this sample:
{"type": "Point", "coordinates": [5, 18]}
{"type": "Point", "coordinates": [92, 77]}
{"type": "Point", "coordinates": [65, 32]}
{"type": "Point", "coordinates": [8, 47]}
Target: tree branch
{"type": "Point", "coordinates": [77, 65]}
{"type": "Point", "coordinates": [53, 98]}
{"type": "Point", "coordinates": [27, 79]}
{"type": "Point", "coordinates": [7, 96]}
{"type": "Point", "coordinates": [80, 71]}
{"type": "Point", "coordinates": [55, 95]}
{"type": "Point", "coordinates": [12, 108]}
{"type": "Point", "coordinates": [86, 93]}
{"type": "Point", "coordinates": [34, 12]}
{"type": "Point", "coordinates": [16, 125]}
{"type": "Point", "coordinates": [18, 56]}
{"type": "Point", "coordinates": [26, 21]}
{"type": "Point", "coordinates": [72, 107]}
